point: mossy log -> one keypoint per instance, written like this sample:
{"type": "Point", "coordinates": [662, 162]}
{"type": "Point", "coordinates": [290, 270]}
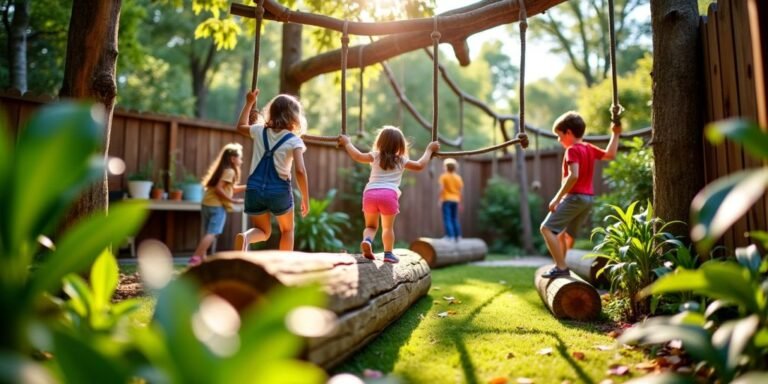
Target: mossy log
{"type": "Point", "coordinates": [366, 295]}
{"type": "Point", "coordinates": [442, 252]}
{"type": "Point", "coordinates": [587, 268]}
{"type": "Point", "coordinates": [568, 297]}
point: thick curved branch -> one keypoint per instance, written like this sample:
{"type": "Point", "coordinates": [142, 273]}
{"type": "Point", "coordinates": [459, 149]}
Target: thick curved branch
{"type": "Point", "coordinates": [406, 35]}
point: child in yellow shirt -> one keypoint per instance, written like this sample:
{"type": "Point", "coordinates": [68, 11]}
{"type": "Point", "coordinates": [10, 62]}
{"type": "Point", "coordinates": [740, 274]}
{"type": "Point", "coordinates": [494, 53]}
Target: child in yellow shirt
{"type": "Point", "coordinates": [451, 185]}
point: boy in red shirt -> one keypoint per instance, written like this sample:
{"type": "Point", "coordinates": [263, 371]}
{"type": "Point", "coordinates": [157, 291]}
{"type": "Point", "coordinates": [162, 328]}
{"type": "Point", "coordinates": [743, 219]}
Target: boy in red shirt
{"type": "Point", "coordinates": [572, 203]}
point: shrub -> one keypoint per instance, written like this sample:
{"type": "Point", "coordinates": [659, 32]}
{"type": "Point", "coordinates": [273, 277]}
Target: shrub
{"type": "Point", "coordinates": [319, 231]}
{"type": "Point", "coordinates": [499, 215]}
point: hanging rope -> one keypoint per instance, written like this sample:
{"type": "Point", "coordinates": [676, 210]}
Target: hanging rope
{"type": "Point", "coordinates": [616, 108]}
{"type": "Point", "coordinates": [461, 120]}
{"type": "Point", "coordinates": [362, 77]}
{"type": "Point", "coordinates": [259, 11]}
{"type": "Point", "coordinates": [522, 136]}
{"type": "Point", "coordinates": [344, 55]}
{"type": "Point", "coordinates": [435, 35]}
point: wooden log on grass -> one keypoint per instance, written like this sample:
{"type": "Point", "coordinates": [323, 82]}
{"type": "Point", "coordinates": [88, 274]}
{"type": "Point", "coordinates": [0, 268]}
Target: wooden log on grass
{"type": "Point", "coordinates": [442, 252]}
{"type": "Point", "coordinates": [365, 295]}
{"type": "Point", "coordinates": [587, 268]}
{"type": "Point", "coordinates": [568, 297]}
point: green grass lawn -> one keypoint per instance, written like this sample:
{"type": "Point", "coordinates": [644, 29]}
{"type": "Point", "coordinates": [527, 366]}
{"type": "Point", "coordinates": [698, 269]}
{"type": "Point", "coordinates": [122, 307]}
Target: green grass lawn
{"type": "Point", "coordinates": [497, 331]}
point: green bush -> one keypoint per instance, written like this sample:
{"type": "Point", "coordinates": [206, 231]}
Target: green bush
{"type": "Point", "coordinates": [499, 216]}
{"type": "Point", "coordinates": [320, 230]}
{"type": "Point", "coordinates": [629, 177]}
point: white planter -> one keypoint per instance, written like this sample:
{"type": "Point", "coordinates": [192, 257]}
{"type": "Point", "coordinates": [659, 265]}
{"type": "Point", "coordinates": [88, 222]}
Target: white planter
{"type": "Point", "coordinates": [139, 189]}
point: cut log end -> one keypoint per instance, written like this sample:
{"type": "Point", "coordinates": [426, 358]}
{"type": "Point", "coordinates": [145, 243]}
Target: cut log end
{"type": "Point", "coordinates": [568, 297]}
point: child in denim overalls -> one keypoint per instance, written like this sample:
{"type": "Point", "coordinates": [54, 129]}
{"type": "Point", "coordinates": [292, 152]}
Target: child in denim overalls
{"type": "Point", "coordinates": [276, 144]}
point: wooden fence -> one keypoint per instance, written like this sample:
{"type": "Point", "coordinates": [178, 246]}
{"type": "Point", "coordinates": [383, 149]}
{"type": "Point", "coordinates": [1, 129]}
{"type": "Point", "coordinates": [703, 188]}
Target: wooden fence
{"type": "Point", "coordinates": [139, 137]}
{"type": "Point", "coordinates": [734, 35]}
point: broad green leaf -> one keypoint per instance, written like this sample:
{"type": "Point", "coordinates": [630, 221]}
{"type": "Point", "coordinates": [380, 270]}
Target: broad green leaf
{"type": "Point", "coordinates": [716, 207]}
{"type": "Point", "coordinates": [749, 257]}
{"type": "Point", "coordinates": [80, 298]}
{"type": "Point", "coordinates": [85, 241]}
{"type": "Point", "coordinates": [19, 369]}
{"type": "Point", "coordinates": [276, 372]}
{"type": "Point", "coordinates": [741, 131]}
{"type": "Point", "coordinates": [733, 336]}
{"type": "Point", "coordinates": [57, 154]}
{"type": "Point", "coordinates": [104, 277]}
{"type": "Point", "coordinates": [695, 339]}
{"type": "Point", "coordinates": [71, 352]}
{"type": "Point", "coordinates": [126, 306]}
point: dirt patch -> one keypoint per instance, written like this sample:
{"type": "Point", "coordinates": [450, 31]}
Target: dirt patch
{"type": "Point", "coordinates": [128, 286]}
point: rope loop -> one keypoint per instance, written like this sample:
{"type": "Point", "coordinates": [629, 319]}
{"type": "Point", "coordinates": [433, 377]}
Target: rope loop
{"type": "Point", "coordinates": [435, 35]}
{"type": "Point", "coordinates": [523, 137]}
{"type": "Point", "coordinates": [259, 10]}
{"type": "Point", "coordinates": [345, 33]}
{"type": "Point", "coordinates": [616, 111]}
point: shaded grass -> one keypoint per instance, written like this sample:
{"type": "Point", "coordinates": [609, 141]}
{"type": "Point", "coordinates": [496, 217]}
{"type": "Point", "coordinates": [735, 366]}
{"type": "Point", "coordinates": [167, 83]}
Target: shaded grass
{"type": "Point", "coordinates": [496, 331]}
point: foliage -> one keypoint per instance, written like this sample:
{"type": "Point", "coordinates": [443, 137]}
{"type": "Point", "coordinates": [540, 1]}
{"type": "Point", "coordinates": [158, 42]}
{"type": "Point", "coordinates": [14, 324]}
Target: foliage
{"type": "Point", "coordinates": [319, 231]}
{"type": "Point", "coordinates": [145, 172]}
{"type": "Point", "coordinates": [629, 177]}
{"type": "Point", "coordinates": [90, 339]}
{"type": "Point", "coordinates": [355, 178]}
{"type": "Point", "coordinates": [635, 246]}
{"type": "Point", "coordinates": [731, 335]}
{"type": "Point", "coordinates": [499, 214]}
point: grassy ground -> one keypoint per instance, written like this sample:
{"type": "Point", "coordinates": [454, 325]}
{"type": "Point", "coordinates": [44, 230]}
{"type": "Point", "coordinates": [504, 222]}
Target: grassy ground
{"type": "Point", "coordinates": [497, 330]}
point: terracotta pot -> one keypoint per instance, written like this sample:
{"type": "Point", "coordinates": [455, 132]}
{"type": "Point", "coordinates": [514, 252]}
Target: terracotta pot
{"type": "Point", "coordinates": [175, 195]}
{"type": "Point", "coordinates": [157, 193]}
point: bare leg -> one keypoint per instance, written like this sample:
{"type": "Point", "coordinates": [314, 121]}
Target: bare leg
{"type": "Point", "coordinates": [285, 221]}
{"type": "Point", "coordinates": [204, 244]}
{"type": "Point", "coordinates": [262, 229]}
{"type": "Point", "coordinates": [388, 232]}
{"type": "Point", "coordinates": [554, 246]}
{"type": "Point", "coordinates": [371, 225]}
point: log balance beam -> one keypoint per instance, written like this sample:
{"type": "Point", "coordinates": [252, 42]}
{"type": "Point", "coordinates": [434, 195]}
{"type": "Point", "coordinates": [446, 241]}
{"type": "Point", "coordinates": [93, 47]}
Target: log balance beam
{"type": "Point", "coordinates": [441, 252]}
{"type": "Point", "coordinates": [365, 295]}
{"type": "Point", "coordinates": [568, 297]}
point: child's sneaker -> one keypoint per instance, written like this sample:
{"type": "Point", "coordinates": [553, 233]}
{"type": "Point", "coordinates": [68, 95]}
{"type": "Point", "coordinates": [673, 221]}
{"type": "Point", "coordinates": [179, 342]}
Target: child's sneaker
{"type": "Point", "coordinates": [389, 257]}
{"type": "Point", "coordinates": [366, 247]}
{"type": "Point", "coordinates": [195, 260]}
{"type": "Point", "coordinates": [556, 272]}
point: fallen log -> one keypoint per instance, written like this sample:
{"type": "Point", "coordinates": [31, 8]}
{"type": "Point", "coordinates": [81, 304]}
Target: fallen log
{"type": "Point", "coordinates": [568, 297]}
{"type": "Point", "coordinates": [587, 268]}
{"type": "Point", "coordinates": [365, 295]}
{"type": "Point", "coordinates": [442, 252]}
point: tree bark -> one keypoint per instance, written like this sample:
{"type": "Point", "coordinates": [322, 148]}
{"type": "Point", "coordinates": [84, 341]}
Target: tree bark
{"type": "Point", "coordinates": [677, 117]}
{"type": "Point", "coordinates": [290, 57]}
{"type": "Point", "coordinates": [89, 73]}
{"type": "Point", "coordinates": [17, 45]}
{"type": "Point", "coordinates": [199, 68]}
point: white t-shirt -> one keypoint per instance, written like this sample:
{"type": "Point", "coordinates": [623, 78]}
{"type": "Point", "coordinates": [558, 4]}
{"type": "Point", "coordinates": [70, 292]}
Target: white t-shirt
{"type": "Point", "coordinates": [386, 179]}
{"type": "Point", "coordinates": [283, 157]}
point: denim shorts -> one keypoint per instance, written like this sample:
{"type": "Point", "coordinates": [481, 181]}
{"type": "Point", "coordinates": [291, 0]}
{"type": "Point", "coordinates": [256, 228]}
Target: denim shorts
{"type": "Point", "coordinates": [570, 214]}
{"type": "Point", "coordinates": [213, 219]}
{"type": "Point", "coordinates": [381, 200]}
{"type": "Point", "coordinates": [258, 202]}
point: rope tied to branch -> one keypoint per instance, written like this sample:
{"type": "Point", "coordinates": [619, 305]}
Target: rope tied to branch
{"type": "Point", "coordinates": [362, 78]}
{"type": "Point", "coordinates": [521, 135]}
{"type": "Point", "coordinates": [435, 35]}
{"type": "Point", "coordinates": [344, 54]}
{"type": "Point", "coordinates": [616, 107]}
{"type": "Point", "coordinates": [259, 13]}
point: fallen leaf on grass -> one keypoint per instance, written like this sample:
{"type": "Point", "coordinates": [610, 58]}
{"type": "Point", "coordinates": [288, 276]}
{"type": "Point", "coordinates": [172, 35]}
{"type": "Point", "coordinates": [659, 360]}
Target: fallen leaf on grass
{"type": "Point", "coordinates": [446, 313]}
{"type": "Point", "coordinates": [524, 380]}
{"type": "Point", "coordinates": [646, 366]}
{"type": "Point", "coordinates": [618, 370]}
{"type": "Point", "coordinates": [510, 355]}
{"type": "Point", "coordinates": [603, 347]}
{"type": "Point", "coordinates": [372, 374]}
{"type": "Point", "coordinates": [436, 288]}
{"type": "Point", "coordinates": [545, 351]}
{"type": "Point", "coordinates": [421, 316]}
{"type": "Point", "coordinates": [579, 355]}
{"type": "Point", "coordinates": [449, 298]}
{"type": "Point", "coordinates": [498, 380]}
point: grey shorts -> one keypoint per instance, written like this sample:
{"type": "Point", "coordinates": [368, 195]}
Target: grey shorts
{"type": "Point", "coordinates": [570, 214]}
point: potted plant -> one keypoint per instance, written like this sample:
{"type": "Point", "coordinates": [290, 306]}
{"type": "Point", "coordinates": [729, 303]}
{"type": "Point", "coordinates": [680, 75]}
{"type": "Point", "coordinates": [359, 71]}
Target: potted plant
{"type": "Point", "coordinates": [174, 190]}
{"type": "Point", "coordinates": [193, 188]}
{"type": "Point", "coordinates": [140, 182]}
{"type": "Point", "coordinates": [158, 189]}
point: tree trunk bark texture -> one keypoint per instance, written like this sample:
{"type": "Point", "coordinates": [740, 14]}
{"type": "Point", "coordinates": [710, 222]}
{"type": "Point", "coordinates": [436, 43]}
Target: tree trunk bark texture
{"type": "Point", "coordinates": [89, 73]}
{"type": "Point", "coordinates": [678, 108]}
{"type": "Point", "coordinates": [18, 45]}
{"type": "Point", "coordinates": [290, 57]}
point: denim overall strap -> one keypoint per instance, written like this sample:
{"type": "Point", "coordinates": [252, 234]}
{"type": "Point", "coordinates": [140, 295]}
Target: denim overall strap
{"type": "Point", "coordinates": [280, 142]}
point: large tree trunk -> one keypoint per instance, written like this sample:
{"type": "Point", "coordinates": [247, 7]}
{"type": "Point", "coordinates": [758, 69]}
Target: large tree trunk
{"type": "Point", "coordinates": [89, 73]}
{"type": "Point", "coordinates": [199, 68]}
{"type": "Point", "coordinates": [677, 113]}
{"type": "Point", "coordinates": [291, 55]}
{"type": "Point", "coordinates": [17, 45]}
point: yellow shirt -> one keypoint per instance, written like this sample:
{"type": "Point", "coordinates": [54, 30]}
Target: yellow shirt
{"type": "Point", "coordinates": [211, 199]}
{"type": "Point", "coordinates": [452, 185]}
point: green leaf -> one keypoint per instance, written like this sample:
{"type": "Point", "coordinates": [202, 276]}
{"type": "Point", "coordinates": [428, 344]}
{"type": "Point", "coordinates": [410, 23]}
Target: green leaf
{"type": "Point", "coordinates": [125, 307]}
{"type": "Point", "coordinates": [664, 378]}
{"type": "Point", "coordinates": [85, 241]}
{"type": "Point", "coordinates": [18, 369]}
{"type": "Point", "coordinates": [716, 207]}
{"type": "Point", "coordinates": [733, 336]}
{"type": "Point", "coordinates": [749, 257]}
{"type": "Point", "coordinates": [81, 300]}
{"type": "Point", "coordinates": [659, 330]}
{"type": "Point", "coordinates": [71, 352]}
{"type": "Point", "coordinates": [741, 131]}
{"type": "Point", "coordinates": [104, 276]}
{"type": "Point", "coordinates": [61, 137]}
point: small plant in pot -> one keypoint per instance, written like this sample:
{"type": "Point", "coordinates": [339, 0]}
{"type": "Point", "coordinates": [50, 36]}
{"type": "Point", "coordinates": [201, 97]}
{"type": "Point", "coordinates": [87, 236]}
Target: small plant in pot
{"type": "Point", "coordinates": [174, 187]}
{"type": "Point", "coordinates": [140, 182]}
{"type": "Point", "coordinates": [193, 188]}
{"type": "Point", "coordinates": [158, 188]}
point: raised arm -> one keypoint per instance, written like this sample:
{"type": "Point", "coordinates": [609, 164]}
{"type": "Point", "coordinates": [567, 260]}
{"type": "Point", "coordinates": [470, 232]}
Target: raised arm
{"type": "Point", "coordinates": [424, 160]}
{"type": "Point", "coordinates": [613, 143]}
{"type": "Point", "coordinates": [243, 127]}
{"type": "Point", "coordinates": [353, 152]}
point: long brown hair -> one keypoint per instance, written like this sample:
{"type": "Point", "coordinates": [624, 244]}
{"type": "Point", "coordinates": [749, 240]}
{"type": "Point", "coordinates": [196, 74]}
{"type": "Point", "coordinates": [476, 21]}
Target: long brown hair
{"type": "Point", "coordinates": [285, 112]}
{"type": "Point", "coordinates": [223, 161]}
{"type": "Point", "coordinates": [391, 145]}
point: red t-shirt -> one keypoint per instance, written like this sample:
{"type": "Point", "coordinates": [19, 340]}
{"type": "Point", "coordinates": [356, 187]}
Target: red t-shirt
{"type": "Point", "coordinates": [585, 155]}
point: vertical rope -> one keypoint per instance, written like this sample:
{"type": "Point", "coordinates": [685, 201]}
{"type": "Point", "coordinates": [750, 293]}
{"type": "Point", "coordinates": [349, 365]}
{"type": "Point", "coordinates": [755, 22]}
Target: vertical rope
{"type": "Point", "coordinates": [616, 108]}
{"type": "Point", "coordinates": [523, 27]}
{"type": "Point", "coordinates": [461, 120]}
{"type": "Point", "coordinates": [435, 35]}
{"type": "Point", "coordinates": [259, 10]}
{"type": "Point", "coordinates": [362, 78]}
{"type": "Point", "coordinates": [344, 52]}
